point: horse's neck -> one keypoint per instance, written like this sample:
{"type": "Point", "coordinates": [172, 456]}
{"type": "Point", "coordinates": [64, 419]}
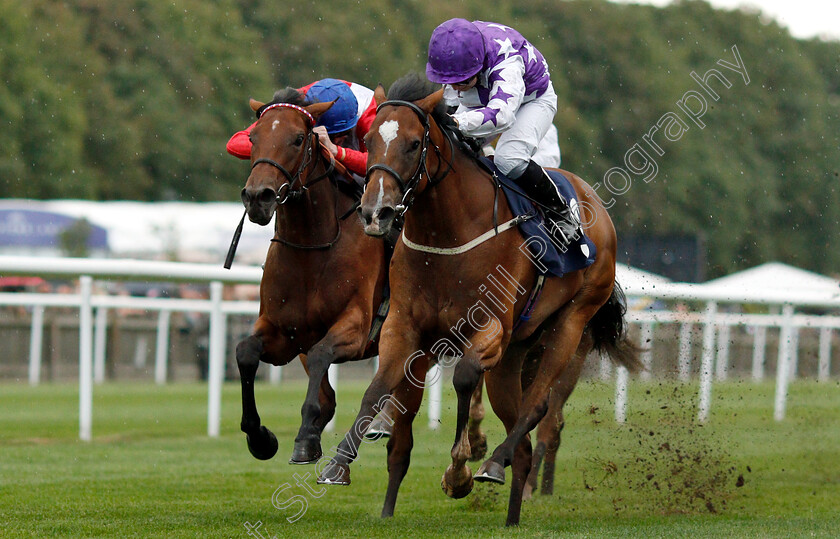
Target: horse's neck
{"type": "Point", "coordinates": [456, 210]}
{"type": "Point", "coordinates": [311, 219]}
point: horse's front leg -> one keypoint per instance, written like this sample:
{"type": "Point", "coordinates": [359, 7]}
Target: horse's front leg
{"type": "Point", "coordinates": [457, 481]}
{"type": "Point", "coordinates": [399, 349]}
{"type": "Point", "coordinates": [477, 438]}
{"type": "Point", "coordinates": [404, 402]}
{"type": "Point", "coordinates": [344, 341]}
{"type": "Point", "coordinates": [326, 398]}
{"type": "Point", "coordinates": [264, 344]}
{"type": "Point", "coordinates": [485, 353]}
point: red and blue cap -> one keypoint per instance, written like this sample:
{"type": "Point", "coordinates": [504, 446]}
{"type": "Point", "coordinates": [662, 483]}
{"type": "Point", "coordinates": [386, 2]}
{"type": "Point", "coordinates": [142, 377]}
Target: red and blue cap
{"type": "Point", "coordinates": [344, 113]}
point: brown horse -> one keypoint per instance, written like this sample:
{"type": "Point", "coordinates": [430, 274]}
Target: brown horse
{"type": "Point", "coordinates": [323, 277]}
{"type": "Point", "coordinates": [442, 305]}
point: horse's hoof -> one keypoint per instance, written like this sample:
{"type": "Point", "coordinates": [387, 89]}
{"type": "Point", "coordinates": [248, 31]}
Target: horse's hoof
{"type": "Point", "coordinates": [478, 447]}
{"type": "Point", "coordinates": [306, 452]}
{"type": "Point", "coordinates": [378, 429]}
{"type": "Point", "coordinates": [491, 472]}
{"type": "Point", "coordinates": [263, 444]}
{"type": "Point", "coordinates": [527, 492]}
{"type": "Point", "coordinates": [335, 474]}
{"type": "Point", "coordinates": [457, 485]}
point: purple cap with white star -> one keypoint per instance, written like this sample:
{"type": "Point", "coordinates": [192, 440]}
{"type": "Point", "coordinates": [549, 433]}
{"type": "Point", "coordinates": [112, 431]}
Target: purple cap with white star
{"type": "Point", "coordinates": [456, 52]}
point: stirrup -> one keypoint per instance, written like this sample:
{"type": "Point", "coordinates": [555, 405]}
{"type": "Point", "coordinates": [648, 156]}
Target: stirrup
{"type": "Point", "coordinates": [563, 222]}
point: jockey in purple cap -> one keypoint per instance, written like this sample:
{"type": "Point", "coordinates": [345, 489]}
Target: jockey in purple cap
{"type": "Point", "coordinates": [500, 85]}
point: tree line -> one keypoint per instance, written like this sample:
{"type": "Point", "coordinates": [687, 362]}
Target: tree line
{"type": "Point", "coordinates": [135, 99]}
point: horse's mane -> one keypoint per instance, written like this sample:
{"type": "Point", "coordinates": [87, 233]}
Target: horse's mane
{"type": "Point", "coordinates": [413, 87]}
{"type": "Point", "coordinates": [286, 95]}
{"type": "Point", "coordinates": [289, 95]}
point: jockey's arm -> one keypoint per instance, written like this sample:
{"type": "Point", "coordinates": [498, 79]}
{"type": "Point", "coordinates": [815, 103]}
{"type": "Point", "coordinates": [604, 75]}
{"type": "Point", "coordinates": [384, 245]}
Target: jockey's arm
{"type": "Point", "coordinates": [239, 144]}
{"type": "Point", "coordinates": [506, 95]}
{"type": "Point", "coordinates": [354, 160]}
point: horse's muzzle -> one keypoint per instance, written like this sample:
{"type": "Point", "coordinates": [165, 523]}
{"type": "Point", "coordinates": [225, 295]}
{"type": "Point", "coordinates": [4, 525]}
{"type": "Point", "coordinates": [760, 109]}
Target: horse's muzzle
{"type": "Point", "coordinates": [259, 202]}
{"type": "Point", "coordinates": [377, 221]}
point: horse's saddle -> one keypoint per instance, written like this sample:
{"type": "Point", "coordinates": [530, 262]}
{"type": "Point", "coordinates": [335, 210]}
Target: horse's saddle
{"type": "Point", "coordinates": [548, 255]}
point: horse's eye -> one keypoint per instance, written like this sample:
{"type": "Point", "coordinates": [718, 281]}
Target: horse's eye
{"type": "Point", "coordinates": [299, 140]}
{"type": "Point", "coordinates": [415, 145]}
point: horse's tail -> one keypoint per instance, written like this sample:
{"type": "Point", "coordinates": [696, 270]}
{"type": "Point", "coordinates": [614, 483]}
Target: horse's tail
{"type": "Point", "coordinates": [608, 329]}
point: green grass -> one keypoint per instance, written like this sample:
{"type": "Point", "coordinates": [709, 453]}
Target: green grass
{"type": "Point", "coordinates": [152, 472]}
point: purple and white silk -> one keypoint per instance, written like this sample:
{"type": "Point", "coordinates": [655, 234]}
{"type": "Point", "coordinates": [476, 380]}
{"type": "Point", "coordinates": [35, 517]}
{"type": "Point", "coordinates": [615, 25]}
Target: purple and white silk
{"type": "Point", "coordinates": [514, 74]}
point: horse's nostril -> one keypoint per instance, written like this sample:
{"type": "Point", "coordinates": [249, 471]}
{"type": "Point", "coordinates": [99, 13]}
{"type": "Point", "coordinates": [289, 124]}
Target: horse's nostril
{"type": "Point", "coordinates": [366, 216]}
{"type": "Point", "coordinates": [245, 196]}
{"type": "Point", "coordinates": [267, 196]}
{"type": "Point", "coordinates": [387, 214]}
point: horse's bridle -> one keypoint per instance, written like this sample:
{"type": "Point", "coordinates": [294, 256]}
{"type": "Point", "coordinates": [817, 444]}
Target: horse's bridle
{"type": "Point", "coordinates": [292, 179]}
{"type": "Point", "coordinates": [408, 187]}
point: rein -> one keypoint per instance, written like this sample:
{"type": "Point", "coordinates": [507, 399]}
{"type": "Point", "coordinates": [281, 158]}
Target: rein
{"type": "Point", "coordinates": [408, 187]}
{"type": "Point", "coordinates": [292, 179]}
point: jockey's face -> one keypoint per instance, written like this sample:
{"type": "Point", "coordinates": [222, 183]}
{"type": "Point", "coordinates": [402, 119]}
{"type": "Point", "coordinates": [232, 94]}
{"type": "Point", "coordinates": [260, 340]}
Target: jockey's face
{"type": "Point", "coordinates": [341, 139]}
{"type": "Point", "coordinates": [465, 85]}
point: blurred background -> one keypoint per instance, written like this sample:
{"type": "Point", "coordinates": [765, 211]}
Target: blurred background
{"type": "Point", "coordinates": [132, 100]}
{"type": "Point", "coordinates": [115, 116]}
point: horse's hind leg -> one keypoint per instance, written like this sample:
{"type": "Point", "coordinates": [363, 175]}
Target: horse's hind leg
{"type": "Point", "coordinates": [554, 421]}
{"type": "Point", "coordinates": [505, 394]}
{"type": "Point", "coordinates": [478, 440]}
{"type": "Point", "coordinates": [561, 345]}
{"type": "Point", "coordinates": [545, 452]}
{"type": "Point", "coordinates": [401, 408]}
{"type": "Point", "coordinates": [261, 442]}
{"type": "Point", "coordinates": [552, 444]}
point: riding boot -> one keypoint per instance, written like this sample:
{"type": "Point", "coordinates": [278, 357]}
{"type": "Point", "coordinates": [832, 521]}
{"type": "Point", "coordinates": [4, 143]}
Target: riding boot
{"type": "Point", "coordinates": [536, 184]}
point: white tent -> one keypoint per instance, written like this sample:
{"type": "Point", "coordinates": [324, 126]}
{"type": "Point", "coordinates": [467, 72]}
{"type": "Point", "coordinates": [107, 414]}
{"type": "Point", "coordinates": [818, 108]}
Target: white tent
{"type": "Point", "coordinates": [193, 232]}
{"type": "Point", "coordinates": [201, 232]}
{"type": "Point", "coordinates": [629, 276]}
{"type": "Point", "coordinates": [777, 277]}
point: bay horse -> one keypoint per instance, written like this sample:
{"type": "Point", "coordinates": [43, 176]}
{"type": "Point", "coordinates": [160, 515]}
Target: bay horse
{"type": "Point", "coordinates": [323, 277]}
{"type": "Point", "coordinates": [441, 305]}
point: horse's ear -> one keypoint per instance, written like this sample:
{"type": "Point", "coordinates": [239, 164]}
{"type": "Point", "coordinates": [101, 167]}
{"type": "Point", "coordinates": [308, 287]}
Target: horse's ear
{"type": "Point", "coordinates": [317, 109]}
{"type": "Point", "coordinates": [429, 102]}
{"type": "Point", "coordinates": [379, 95]}
{"type": "Point", "coordinates": [255, 105]}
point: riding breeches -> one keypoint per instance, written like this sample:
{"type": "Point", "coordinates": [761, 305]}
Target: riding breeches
{"type": "Point", "coordinates": [518, 144]}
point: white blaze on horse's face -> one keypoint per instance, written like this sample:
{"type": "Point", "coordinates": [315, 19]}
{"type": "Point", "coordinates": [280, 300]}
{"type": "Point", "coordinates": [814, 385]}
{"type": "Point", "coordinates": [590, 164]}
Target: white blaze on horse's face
{"type": "Point", "coordinates": [274, 124]}
{"type": "Point", "coordinates": [388, 131]}
{"type": "Point", "coordinates": [380, 196]}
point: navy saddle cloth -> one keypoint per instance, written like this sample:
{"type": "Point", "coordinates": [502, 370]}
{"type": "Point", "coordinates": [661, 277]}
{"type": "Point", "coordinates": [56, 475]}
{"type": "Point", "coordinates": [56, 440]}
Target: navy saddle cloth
{"type": "Point", "coordinates": [545, 253]}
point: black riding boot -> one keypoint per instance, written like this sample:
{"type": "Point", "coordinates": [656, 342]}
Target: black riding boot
{"type": "Point", "coordinates": [536, 184]}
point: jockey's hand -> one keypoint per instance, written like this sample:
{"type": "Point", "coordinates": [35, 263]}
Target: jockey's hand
{"type": "Point", "coordinates": [324, 138]}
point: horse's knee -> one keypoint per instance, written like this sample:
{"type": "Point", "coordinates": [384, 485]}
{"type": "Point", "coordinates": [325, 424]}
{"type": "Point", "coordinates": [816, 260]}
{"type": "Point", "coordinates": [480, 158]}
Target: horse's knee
{"type": "Point", "coordinates": [465, 377]}
{"type": "Point", "coordinates": [248, 353]}
{"type": "Point", "coordinates": [541, 408]}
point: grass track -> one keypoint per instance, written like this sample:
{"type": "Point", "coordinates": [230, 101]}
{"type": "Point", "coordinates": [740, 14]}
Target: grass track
{"type": "Point", "coordinates": [152, 472]}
